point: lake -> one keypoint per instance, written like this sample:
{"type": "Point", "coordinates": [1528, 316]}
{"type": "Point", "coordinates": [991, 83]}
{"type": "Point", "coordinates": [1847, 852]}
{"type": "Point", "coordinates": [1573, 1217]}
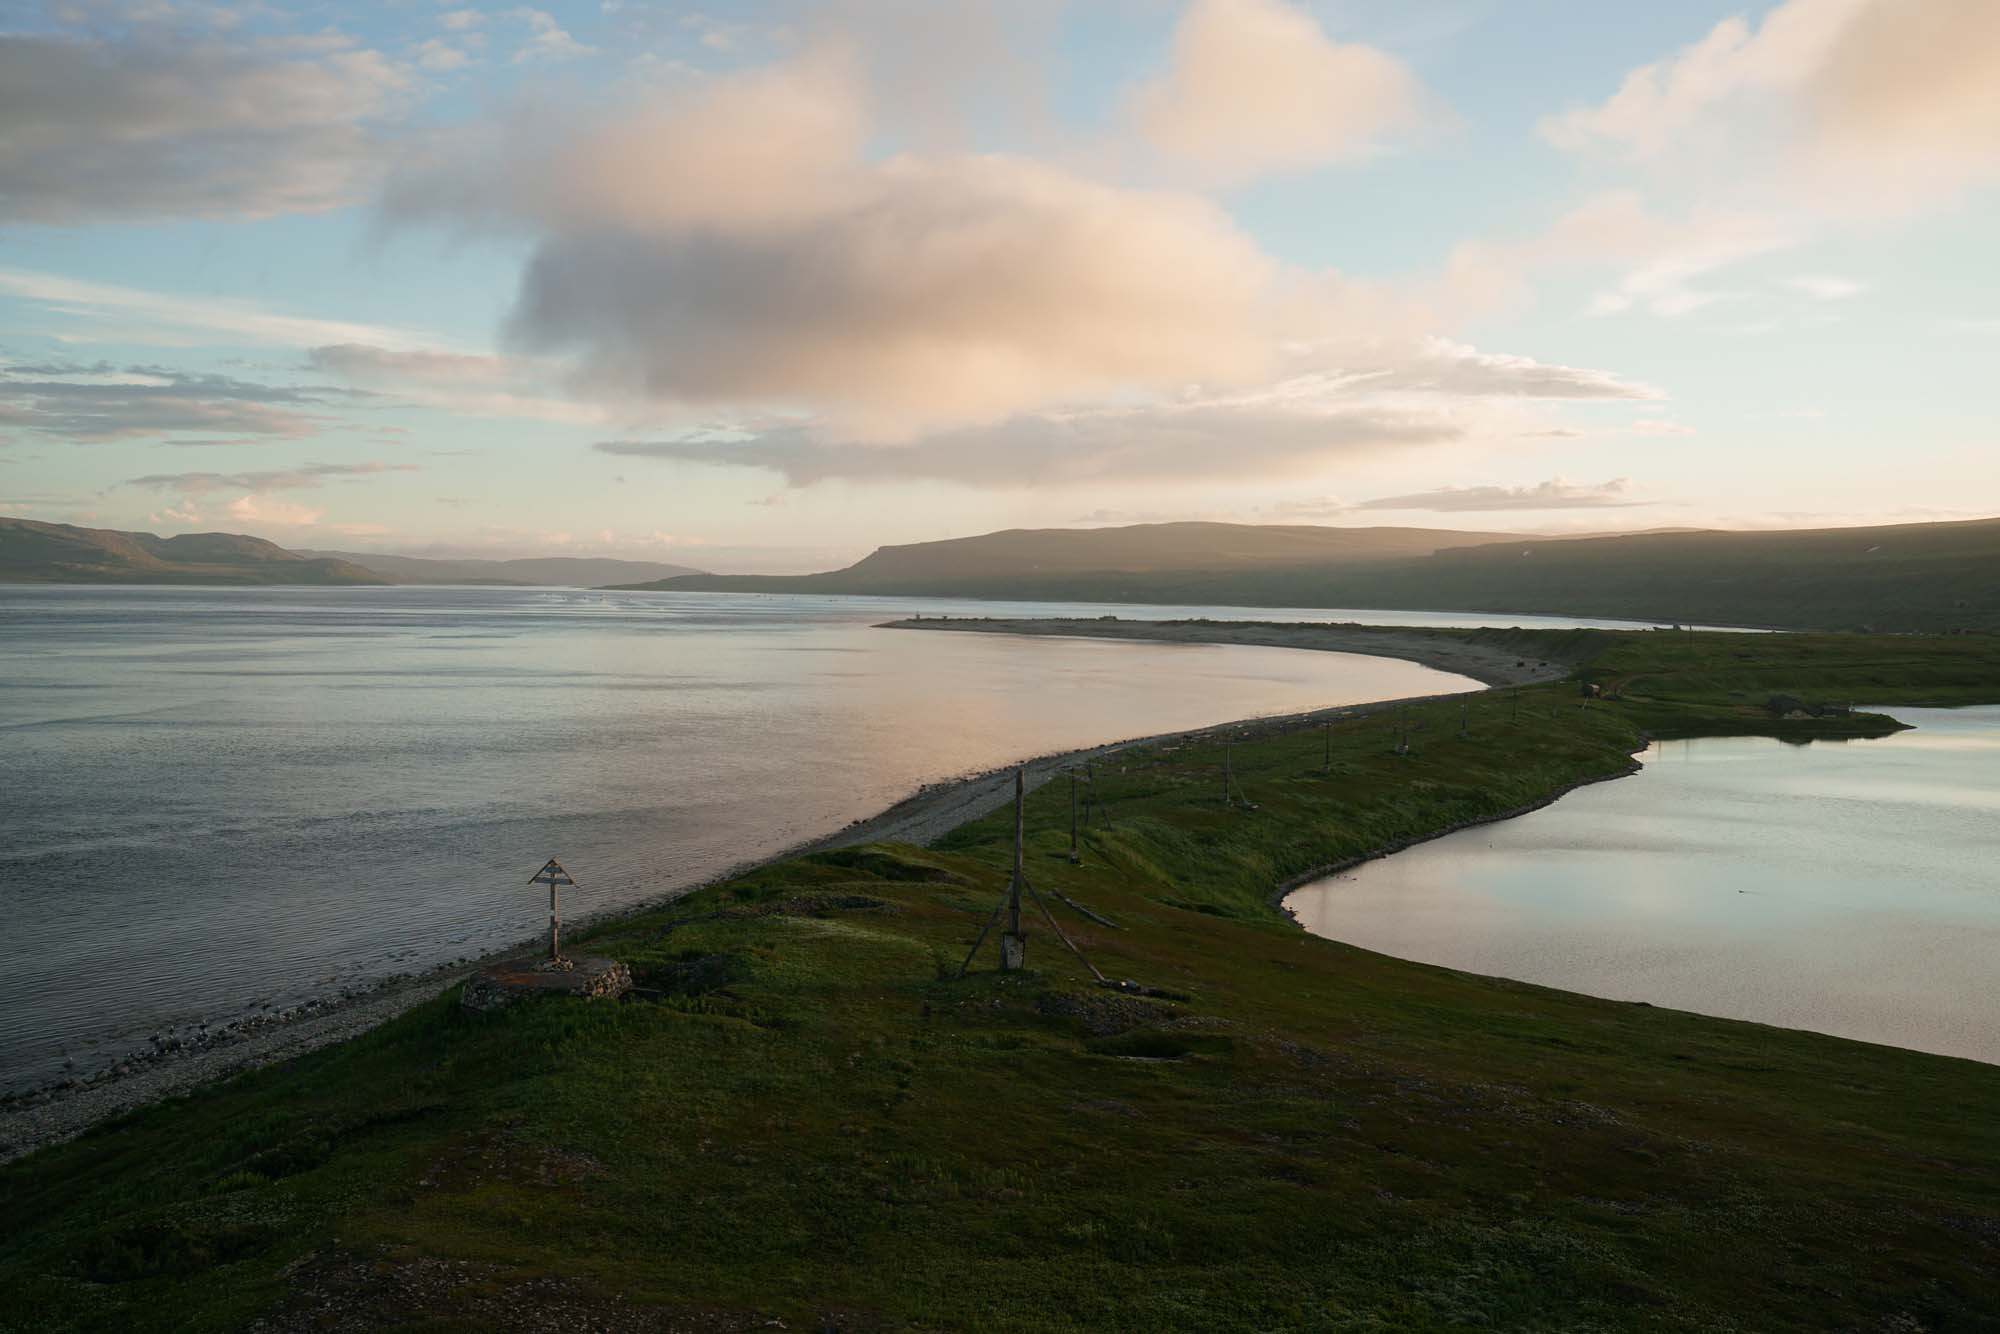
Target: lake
{"type": "Point", "coordinates": [1850, 887]}
{"type": "Point", "coordinates": [219, 801]}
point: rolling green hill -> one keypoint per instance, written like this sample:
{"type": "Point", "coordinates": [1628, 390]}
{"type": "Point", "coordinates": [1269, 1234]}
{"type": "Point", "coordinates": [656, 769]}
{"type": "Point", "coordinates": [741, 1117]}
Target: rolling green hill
{"type": "Point", "coordinates": [807, 1118]}
{"type": "Point", "coordinates": [34, 552]}
{"type": "Point", "coordinates": [1911, 577]}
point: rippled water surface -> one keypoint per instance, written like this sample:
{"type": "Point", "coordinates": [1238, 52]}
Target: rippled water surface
{"type": "Point", "coordinates": [1851, 888]}
{"type": "Point", "coordinates": [216, 799]}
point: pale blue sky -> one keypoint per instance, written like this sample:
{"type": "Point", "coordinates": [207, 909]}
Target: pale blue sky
{"type": "Point", "coordinates": [762, 285]}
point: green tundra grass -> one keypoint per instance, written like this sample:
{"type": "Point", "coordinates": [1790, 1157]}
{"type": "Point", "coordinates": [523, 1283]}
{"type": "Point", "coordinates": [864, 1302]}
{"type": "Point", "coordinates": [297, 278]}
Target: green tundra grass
{"type": "Point", "coordinates": [810, 1119]}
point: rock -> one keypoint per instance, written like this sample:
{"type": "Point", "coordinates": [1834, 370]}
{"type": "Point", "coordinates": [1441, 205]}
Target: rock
{"type": "Point", "coordinates": [582, 976]}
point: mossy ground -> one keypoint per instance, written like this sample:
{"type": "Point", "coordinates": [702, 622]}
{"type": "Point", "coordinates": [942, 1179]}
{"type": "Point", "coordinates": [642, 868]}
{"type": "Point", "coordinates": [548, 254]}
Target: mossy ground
{"type": "Point", "coordinates": [810, 1118]}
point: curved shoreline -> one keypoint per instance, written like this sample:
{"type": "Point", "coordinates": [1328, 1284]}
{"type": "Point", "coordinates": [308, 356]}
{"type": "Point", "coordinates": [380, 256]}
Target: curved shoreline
{"type": "Point", "coordinates": [45, 1117]}
{"type": "Point", "coordinates": [1390, 849]}
{"type": "Point", "coordinates": [1446, 649]}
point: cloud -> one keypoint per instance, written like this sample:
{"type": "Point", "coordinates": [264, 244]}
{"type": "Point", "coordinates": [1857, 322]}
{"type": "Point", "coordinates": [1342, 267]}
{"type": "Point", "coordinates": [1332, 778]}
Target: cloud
{"type": "Point", "coordinates": [98, 403]}
{"type": "Point", "coordinates": [137, 315]}
{"type": "Point", "coordinates": [767, 146]}
{"type": "Point", "coordinates": [1441, 393]}
{"type": "Point", "coordinates": [1850, 106]}
{"type": "Point", "coordinates": [547, 39]}
{"type": "Point", "coordinates": [147, 125]}
{"type": "Point", "coordinates": [1139, 445]}
{"type": "Point", "coordinates": [1826, 287]}
{"type": "Point", "coordinates": [734, 247]}
{"type": "Point", "coordinates": [1554, 494]}
{"type": "Point", "coordinates": [1668, 264]}
{"type": "Point", "coordinates": [263, 482]}
{"type": "Point", "coordinates": [1255, 86]}
{"type": "Point", "coordinates": [441, 57]}
{"type": "Point", "coordinates": [469, 385]}
{"type": "Point", "coordinates": [272, 513]}
{"type": "Point", "coordinates": [1655, 426]}
{"type": "Point", "coordinates": [1445, 367]}
{"type": "Point", "coordinates": [1309, 507]}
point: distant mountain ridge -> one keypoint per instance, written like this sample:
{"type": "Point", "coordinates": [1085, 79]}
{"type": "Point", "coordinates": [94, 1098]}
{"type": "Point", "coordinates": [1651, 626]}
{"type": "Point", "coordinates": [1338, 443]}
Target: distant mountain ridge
{"type": "Point", "coordinates": [1904, 577]}
{"type": "Point", "coordinates": [36, 552]}
{"type": "Point", "coordinates": [530, 571]}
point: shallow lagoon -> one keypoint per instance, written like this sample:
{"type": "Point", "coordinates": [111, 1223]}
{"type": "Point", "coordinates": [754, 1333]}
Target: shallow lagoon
{"type": "Point", "coordinates": [1850, 888]}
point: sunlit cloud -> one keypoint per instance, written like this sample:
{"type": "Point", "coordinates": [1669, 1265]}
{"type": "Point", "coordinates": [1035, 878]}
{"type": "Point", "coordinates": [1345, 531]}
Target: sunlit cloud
{"type": "Point", "coordinates": [1256, 86]}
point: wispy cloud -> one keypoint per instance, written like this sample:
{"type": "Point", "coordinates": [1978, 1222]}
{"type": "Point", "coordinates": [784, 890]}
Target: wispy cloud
{"type": "Point", "coordinates": [262, 482]}
{"type": "Point", "coordinates": [1554, 494]}
{"type": "Point", "coordinates": [135, 313]}
{"type": "Point", "coordinates": [142, 123]}
{"type": "Point", "coordinates": [96, 403]}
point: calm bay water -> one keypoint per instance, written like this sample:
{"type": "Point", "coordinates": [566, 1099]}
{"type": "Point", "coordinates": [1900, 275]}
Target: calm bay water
{"type": "Point", "coordinates": [1851, 888]}
{"type": "Point", "coordinates": [220, 799]}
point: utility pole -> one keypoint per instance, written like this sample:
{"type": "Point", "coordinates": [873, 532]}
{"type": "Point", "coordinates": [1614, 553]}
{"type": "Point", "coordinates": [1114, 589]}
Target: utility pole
{"type": "Point", "coordinates": [1013, 943]}
{"type": "Point", "coordinates": [1075, 853]}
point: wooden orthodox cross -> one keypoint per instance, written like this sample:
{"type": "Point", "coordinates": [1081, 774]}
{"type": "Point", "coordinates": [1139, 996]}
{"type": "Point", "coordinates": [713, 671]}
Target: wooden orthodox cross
{"type": "Point", "coordinates": [553, 875]}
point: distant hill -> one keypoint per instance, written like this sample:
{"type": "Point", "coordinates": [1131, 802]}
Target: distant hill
{"type": "Point", "coordinates": [1907, 577]}
{"type": "Point", "coordinates": [1136, 558]}
{"type": "Point", "coordinates": [556, 571]}
{"type": "Point", "coordinates": [35, 552]}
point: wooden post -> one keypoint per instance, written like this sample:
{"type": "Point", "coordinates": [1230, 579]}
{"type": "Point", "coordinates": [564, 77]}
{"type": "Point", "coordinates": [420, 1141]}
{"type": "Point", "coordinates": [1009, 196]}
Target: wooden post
{"type": "Point", "coordinates": [1464, 716]}
{"type": "Point", "coordinates": [1014, 945]}
{"type": "Point", "coordinates": [1075, 854]}
{"type": "Point", "coordinates": [1326, 766]}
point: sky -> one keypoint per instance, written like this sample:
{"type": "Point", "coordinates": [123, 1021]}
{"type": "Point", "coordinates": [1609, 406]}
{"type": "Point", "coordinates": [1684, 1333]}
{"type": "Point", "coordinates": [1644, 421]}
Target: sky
{"type": "Point", "coordinates": [760, 286]}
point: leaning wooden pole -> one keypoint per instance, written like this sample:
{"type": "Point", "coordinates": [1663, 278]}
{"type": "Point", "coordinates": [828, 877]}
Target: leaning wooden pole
{"type": "Point", "coordinates": [1075, 852]}
{"type": "Point", "coordinates": [1020, 834]}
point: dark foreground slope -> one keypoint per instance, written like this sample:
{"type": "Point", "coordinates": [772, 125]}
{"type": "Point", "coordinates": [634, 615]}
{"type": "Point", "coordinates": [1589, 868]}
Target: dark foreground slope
{"type": "Point", "coordinates": [34, 552]}
{"type": "Point", "coordinates": [1933, 577]}
{"type": "Point", "coordinates": [807, 1118]}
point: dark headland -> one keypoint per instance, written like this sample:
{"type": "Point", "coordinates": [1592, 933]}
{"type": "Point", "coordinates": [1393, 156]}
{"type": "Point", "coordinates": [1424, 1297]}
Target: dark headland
{"type": "Point", "coordinates": [805, 1119]}
{"type": "Point", "coordinates": [61, 553]}
{"type": "Point", "coordinates": [1927, 577]}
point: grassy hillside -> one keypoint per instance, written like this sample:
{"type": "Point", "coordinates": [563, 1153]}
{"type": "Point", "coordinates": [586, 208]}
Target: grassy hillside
{"type": "Point", "coordinates": [33, 552]}
{"type": "Point", "coordinates": [556, 571]}
{"type": "Point", "coordinates": [1147, 547]}
{"type": "Point", "coordinates": [1906, 578]}
{"type": "Point", "coordinates": [809, 1118]}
